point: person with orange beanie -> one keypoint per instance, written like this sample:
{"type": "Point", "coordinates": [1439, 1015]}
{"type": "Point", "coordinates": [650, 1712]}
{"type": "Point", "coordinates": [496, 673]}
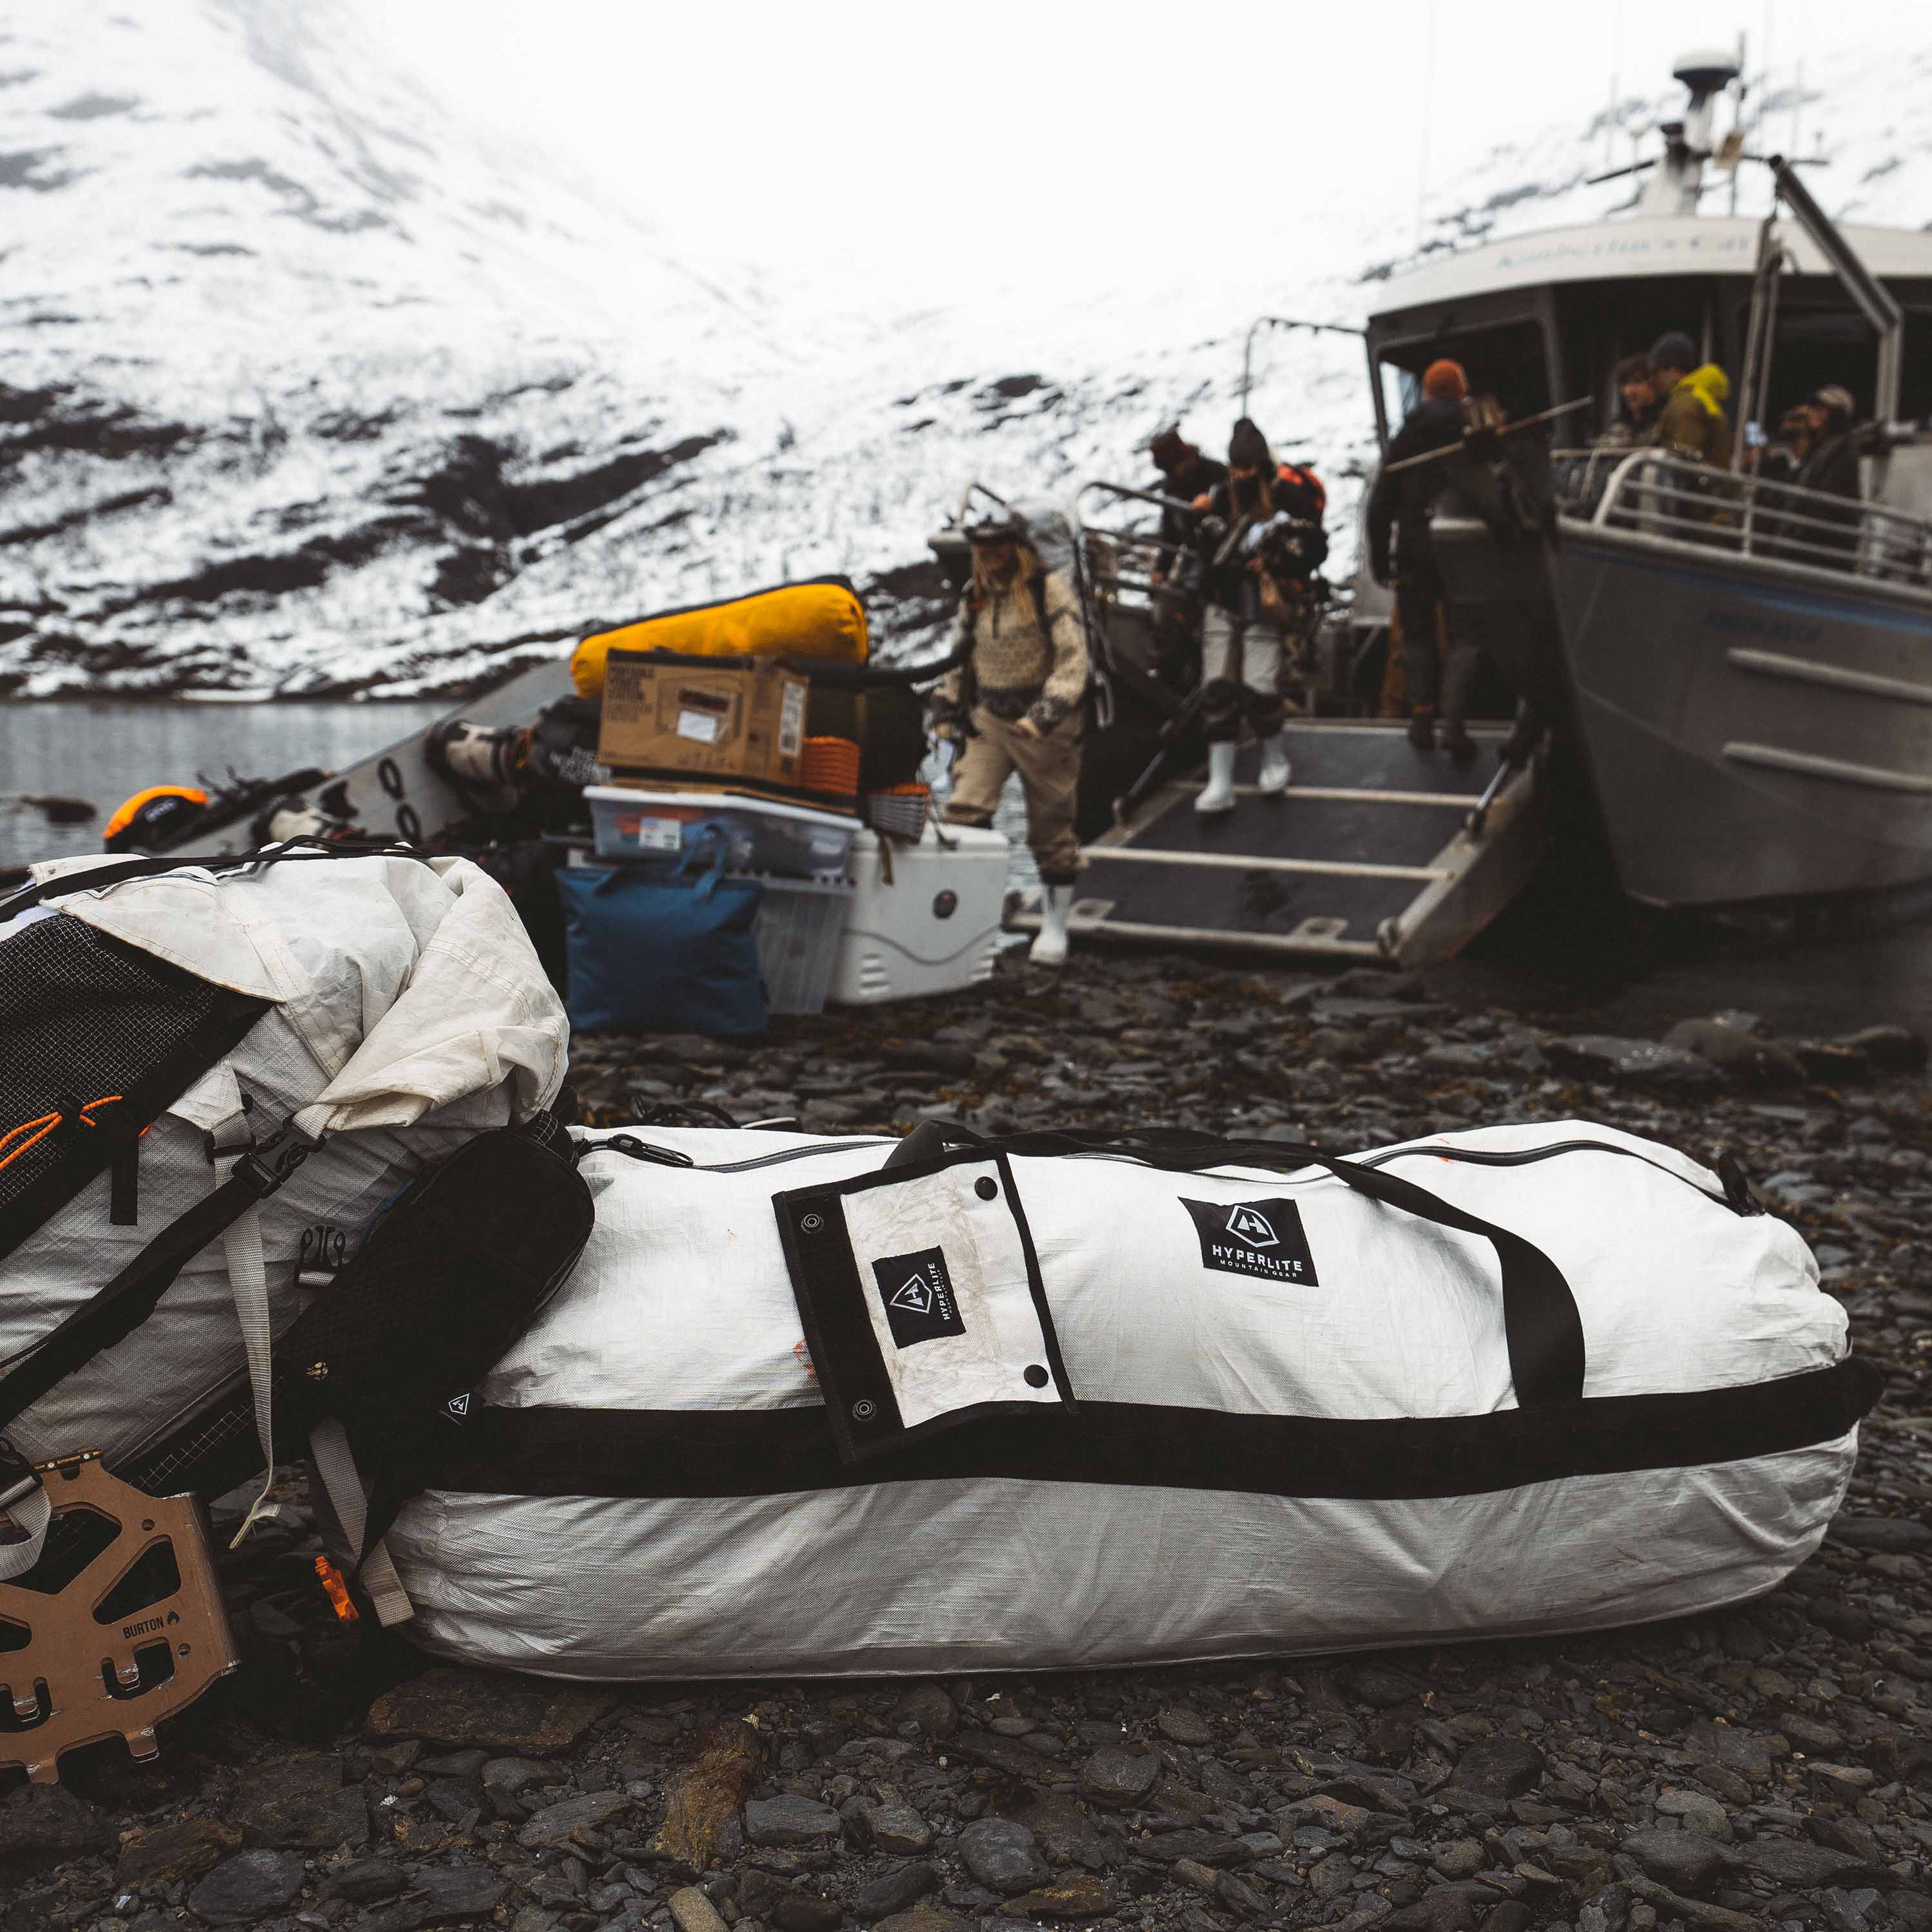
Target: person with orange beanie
{"type": "Point", "coordinates": [1402, 502]}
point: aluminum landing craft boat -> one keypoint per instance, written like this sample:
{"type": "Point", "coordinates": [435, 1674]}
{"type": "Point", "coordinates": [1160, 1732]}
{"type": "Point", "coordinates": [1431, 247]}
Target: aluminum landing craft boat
{"type": "Point", "coordinates": [1749, 678]}
{"type": "Point", "coordinates": [1745, 668]}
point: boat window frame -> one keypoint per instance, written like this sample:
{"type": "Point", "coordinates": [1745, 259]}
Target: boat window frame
{"type": "Point", "coordinates": [1437, 325]}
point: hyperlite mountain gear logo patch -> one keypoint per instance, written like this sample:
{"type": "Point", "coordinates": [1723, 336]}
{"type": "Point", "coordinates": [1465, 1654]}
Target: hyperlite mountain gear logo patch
{"type": "Point", "coordinates": [1263, 1238]}
{"type": "Point", "coordinates": [917, 1293]}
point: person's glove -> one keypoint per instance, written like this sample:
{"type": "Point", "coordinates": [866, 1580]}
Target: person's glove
{"type": "Point", "coordinates": [1257, 538]}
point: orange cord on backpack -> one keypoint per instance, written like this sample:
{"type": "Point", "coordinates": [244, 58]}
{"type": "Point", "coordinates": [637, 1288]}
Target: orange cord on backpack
{"type": "Point", "coordinates": [339, 1598]}
{"type": "Point", "coordinates": [48, 1123]}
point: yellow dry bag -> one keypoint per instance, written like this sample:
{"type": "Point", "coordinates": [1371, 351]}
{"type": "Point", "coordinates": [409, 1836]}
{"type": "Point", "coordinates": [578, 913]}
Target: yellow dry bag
{"type": "Point", "coordinates": [822, 618]}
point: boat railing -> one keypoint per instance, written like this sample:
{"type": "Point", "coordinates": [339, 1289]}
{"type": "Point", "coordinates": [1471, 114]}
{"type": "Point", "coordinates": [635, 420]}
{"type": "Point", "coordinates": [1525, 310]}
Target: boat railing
{"type": "Point", "coordinates": [1654, 493]}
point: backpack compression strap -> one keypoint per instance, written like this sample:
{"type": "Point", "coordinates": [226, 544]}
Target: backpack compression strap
{"type": "Point", "coordinates": [115, 1311]}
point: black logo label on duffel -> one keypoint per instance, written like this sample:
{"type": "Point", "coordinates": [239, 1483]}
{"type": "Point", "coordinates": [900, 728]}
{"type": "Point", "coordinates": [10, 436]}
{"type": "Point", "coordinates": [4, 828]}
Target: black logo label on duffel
{"type": "Point", "coordinates": [1264, 1238]}
{"type": "Point", "coordinates": [917, 1292]}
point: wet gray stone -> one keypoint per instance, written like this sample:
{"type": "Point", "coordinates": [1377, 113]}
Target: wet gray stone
{"type": "Point", "coordinates": [791, 1821]}
{"type": "Point", "coordinates": [253, 1885]}
{"type": "Point", "coordinates": [893, 1825]}
{"type": "Point", "coordinates": [1801, 1868]}
{"type": "Point", "coordinates": [1002, 1856]}
{"type": "Point", "coordinates": [1637, 1062]}
{"type": "Point", "coordinates": [554, 1824]}
{"type": "Point", "coordinates": [1445, 1909]}
{"type": "Point", "coordinates": [1183, 1726]}
{"type": "Point", "coordinates": [41, 1825]}
{"type": "Point", "coordinates": [1119, 1778]}
{"type": "Point", "coordinates": [1743, 1056]}
{"type": "Point", "coordinates": [1499, 1768]}
{"type": "Point", "coordinates": [929, 1709]}
{"type": "Point", "coordinates": [464, 1890]}
{"type": "Point", "coordinates": [1687, 1861]}
{"type": "Point", "coordinates": [894, 1891]}
{"type": "Point", "coordinates": [1699, 1814]}
{"type": "Point", "coordinates": [1890, 1535]}
{"type": "Point", "coordinates": [367, 1881]}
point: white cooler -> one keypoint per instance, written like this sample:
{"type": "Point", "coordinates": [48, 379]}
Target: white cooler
{"type": "Point", "coordinates": [934, 928]}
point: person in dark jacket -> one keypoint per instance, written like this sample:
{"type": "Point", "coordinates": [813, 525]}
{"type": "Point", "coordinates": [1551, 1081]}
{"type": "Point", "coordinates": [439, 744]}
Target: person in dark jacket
{"type": "Point", "coordinates": [1242, 634]}
{"type": "Point", "coordinates": [1830, 467]}
{"type": "Point", "coordinates": [1631, 427]}
{"type": "Point", "coordinates": [1403, 500]}
{"type": "Point", "coordinates": [1185, 474]}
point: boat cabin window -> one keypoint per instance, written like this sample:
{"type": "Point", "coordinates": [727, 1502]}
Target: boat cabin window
{"type": "Point", "coordinates": [1813, 347]}
{"type": "Point", "coordinates": [1507, 362]}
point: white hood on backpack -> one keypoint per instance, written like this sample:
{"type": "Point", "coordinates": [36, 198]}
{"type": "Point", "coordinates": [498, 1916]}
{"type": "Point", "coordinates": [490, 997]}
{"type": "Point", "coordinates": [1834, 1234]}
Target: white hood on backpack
{"type": "Point", "coordinates": [412, 983]}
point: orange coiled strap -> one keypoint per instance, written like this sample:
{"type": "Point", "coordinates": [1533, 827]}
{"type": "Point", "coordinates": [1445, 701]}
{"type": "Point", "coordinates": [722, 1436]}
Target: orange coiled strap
{"type": "Point", "coordinates": [37, 1130]}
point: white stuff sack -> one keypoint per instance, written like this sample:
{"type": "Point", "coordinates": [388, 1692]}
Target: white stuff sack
{"type": "Point", "coordinates": [796, 1413]}
{"type": "Point", "coordinates": [407, 1012]}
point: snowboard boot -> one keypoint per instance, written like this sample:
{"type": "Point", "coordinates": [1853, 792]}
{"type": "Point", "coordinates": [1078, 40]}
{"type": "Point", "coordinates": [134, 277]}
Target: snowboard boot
{"type": "Point", "coordinates": [1460, 746]}
{"type": "Point", "coordinates": [1049, 947]}
{"type": "Point", "coordinates": [1422, 728]}
{"type": "Point", "coordinates": [1218, 794]}
{"type": "Point", "coordinates": [1275, 770]}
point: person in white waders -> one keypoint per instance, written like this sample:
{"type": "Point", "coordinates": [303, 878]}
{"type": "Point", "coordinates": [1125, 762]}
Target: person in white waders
{"type": "Point", "coordinates": [1241, 639]}
{"type": "Point", "coordinates": [1014, 706]}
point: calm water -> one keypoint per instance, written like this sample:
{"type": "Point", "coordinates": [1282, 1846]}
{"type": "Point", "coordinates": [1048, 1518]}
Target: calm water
{"type": "Point", "coordinates": [104, 750]}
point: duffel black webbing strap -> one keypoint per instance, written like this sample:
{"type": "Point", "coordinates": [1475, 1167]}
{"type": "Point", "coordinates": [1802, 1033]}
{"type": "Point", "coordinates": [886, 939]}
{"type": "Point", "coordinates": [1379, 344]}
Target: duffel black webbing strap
{"type": "Point", "coordinates": [1541, 1323]}
{"type": "Point", "coordinates": [114, 1312]}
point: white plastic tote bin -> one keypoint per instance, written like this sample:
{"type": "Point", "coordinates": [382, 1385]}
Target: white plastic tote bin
{"type": "Point", "coordinates": [797, 931]}
{"type": "Point", "coordinates": [762, 835]}
{"type": "Point", "coordinates": [934, 928]}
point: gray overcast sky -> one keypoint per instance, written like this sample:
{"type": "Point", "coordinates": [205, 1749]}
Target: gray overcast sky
{"type": "Point", "coordinates": [898, 140]}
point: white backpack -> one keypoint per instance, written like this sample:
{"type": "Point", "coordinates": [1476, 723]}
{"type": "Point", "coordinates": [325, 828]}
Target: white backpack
{"type": "Point", "coordinates": [210, 1080]}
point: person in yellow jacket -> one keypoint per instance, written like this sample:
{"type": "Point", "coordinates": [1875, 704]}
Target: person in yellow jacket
{"type": "Point", "coordinates": [1691, 422]}
{"type": "Point", "coordinates": [1014, 705]}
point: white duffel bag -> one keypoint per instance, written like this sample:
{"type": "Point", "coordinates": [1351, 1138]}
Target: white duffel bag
{"type": "Point", "coordinates": [317, 1028]}
{"type": "Point", "coordinates": [1048, 1404]}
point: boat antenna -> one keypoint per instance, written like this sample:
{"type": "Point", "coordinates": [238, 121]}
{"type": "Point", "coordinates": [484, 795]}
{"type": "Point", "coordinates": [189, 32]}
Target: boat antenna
{"type": "Point", "coordinates": [1736, 141]}
{"type": "Point", "coordinates": [1428, 102]}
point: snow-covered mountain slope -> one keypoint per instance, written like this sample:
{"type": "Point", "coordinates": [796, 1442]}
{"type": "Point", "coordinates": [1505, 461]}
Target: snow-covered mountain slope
{"type": "Point", "coordinates": [310, 388]}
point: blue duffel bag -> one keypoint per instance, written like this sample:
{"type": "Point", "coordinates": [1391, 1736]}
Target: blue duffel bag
{"type": "Point", "coordinates": [664, 951]}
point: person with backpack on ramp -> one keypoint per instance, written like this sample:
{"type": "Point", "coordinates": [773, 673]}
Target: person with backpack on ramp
{"type": "Point", "coordinates": [1013, 705]}
{"type": "Point", "coordinates": [1256, 540]}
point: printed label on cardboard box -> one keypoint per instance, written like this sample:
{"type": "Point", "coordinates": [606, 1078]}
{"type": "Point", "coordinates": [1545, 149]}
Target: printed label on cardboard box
{"type": "Point", "coordinates": [791, 722]}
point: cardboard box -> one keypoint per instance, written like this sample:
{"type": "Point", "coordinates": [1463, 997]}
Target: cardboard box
{"type": "Point", "coordinates": [741, 719]}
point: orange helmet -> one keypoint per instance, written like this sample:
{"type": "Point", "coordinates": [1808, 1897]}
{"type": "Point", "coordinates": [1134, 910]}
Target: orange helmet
{"type": "Point", "coordinates": [153, 818]}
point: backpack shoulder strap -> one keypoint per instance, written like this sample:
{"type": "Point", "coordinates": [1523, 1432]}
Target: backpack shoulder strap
{"type": "Point", "coordinates": [114, 1312]}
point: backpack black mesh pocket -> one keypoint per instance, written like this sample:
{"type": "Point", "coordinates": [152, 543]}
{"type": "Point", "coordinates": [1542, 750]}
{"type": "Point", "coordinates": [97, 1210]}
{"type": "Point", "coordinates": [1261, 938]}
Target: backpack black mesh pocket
{"type": "Point", "coordinates": [96, 1038]}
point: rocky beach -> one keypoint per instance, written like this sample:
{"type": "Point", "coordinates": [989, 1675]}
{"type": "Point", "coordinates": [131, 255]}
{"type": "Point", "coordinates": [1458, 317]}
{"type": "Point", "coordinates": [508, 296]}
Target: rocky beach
{"type": "Point", "coordinates": [1770, 1765]}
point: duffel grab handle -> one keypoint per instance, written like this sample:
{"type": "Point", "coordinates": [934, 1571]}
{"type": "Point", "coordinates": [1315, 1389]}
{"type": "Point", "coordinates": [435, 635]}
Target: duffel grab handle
{"type": "Point", "coordinates": [1541, 1325]}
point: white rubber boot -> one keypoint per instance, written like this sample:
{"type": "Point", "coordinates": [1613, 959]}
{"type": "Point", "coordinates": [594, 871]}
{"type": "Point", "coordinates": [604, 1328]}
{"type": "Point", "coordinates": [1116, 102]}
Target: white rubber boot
{"type": "Point", "coordinates": [1276, 770]}
{"type": "Point", "coordinates": [1218, 794]}
{"type": "Point", "coordinates": [1049, 946]}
